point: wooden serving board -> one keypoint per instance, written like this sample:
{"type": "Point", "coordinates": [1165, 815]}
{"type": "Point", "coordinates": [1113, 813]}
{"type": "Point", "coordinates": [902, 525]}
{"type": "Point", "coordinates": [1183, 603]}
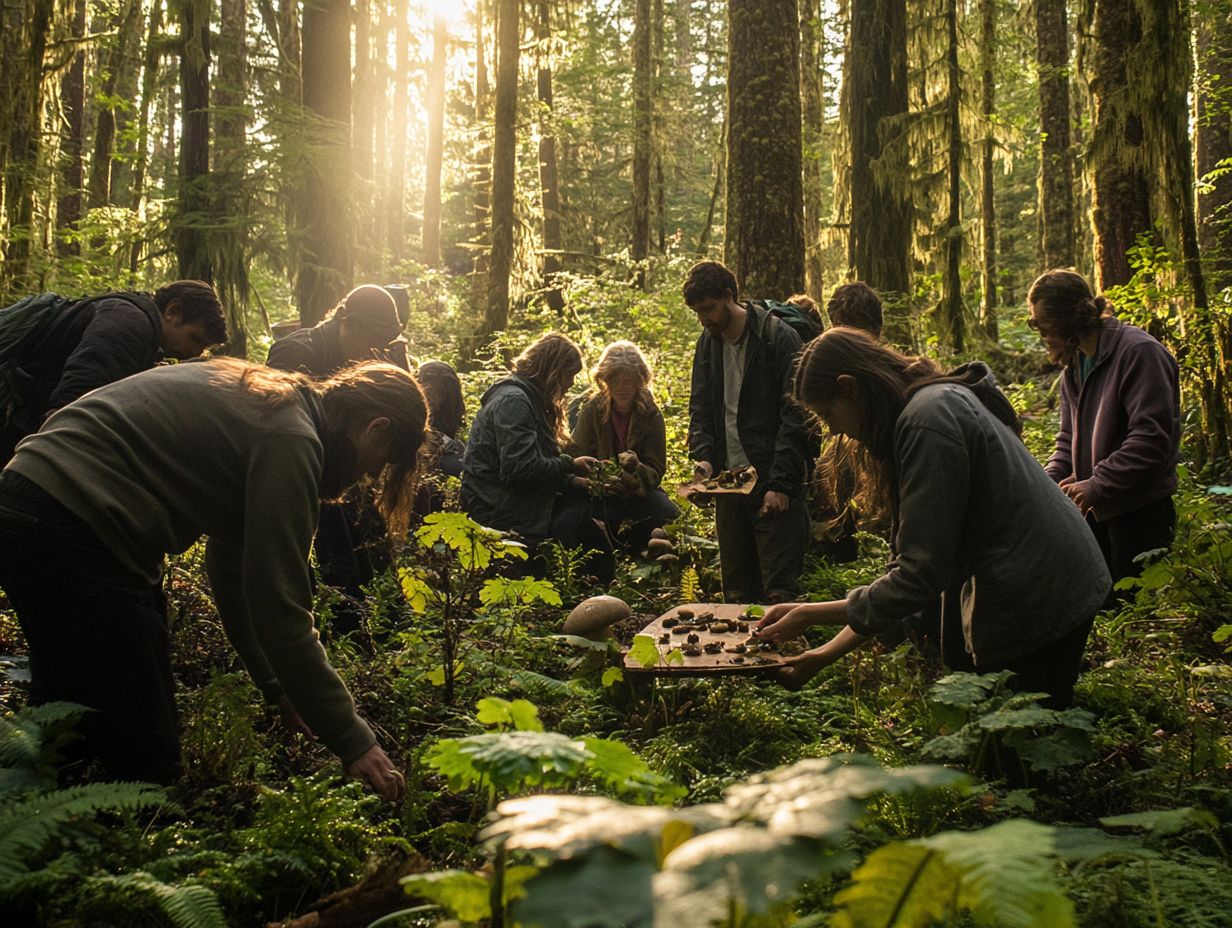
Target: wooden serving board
{"type": "Point", "coordinates": [706, 663]}
{"type": "Point", "coordinates": [698, 488]}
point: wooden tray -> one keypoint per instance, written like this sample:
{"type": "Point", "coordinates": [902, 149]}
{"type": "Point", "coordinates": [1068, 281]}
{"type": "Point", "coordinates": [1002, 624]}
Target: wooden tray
{"type": "Point", "coordinates": [706, 664]}
{"type": "Point", "coordinates": [698, 488]}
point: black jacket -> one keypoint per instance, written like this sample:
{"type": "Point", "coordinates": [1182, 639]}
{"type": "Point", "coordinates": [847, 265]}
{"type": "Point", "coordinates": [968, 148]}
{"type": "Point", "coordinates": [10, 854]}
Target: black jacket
{"type": "Point", "coordinates": [514, 467]}
{"type": "Point", "coordinates": [88, 344]}
{"type": "Point", "coordinates": [318, 353]}
{"type": "Point", "coordinates": [772, 428]}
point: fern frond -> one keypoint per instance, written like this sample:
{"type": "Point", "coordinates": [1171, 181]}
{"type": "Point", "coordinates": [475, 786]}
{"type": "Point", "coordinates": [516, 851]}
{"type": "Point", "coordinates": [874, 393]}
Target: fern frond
{"type": "Point", "coordinates": [22, 733]}
{"type": "Point", "coordinates": [898, 886]}
{"type": "Point", "coordinates": [189, 905]}
{"type": "Point", "coordinates": [30, 824]}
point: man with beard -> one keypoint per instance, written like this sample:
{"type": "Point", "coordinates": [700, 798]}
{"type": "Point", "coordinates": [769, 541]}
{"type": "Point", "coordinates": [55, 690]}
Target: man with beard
{"type": "Point", "coordinates": [1117, 449]}
{"type": "Point", "coordinates": [142, 468]}
{"type": "Point", "coordinates": [740, 414]}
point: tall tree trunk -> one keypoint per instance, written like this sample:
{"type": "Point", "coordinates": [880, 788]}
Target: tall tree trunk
{"type": "Point", "coordinates": [398, 126]}
{"type": "Point", "coordinates": [549, 175]}
{"type": "Point", "coordinates": [115, 60]}
{"type": "Point", "coordinates": [988, 203]}
{"type": "Point", "coordinates": [1056, 179]}
{"type": "Point", "coordinates": [26, 24]}
{"type": "Point", "coordinates": [72, 164]}
{"type": "Point", "coordinates": [810, 101]}
{"type": "Point", "coordinates": [149, 87]}
{"type": "Point", "coordinates": [436, 141]}
{"type": "Point", "coordinates": [765, 197]}
{"type": "Point", "coordinates": [192, 214]}
{"type": "Point", "coordinates": [874, 97]}
{"type": "Point", "coordinates": [1122, 195]}
{"type": "Point", "coordinates": [656, 125]}
{"type": "Point", "coordinates": [324, 198]}
{"type": "Point", "coordinates": [1213, 141]}
{"type": "Point", "coordinates": [504, 165]}
{"type": "Point", "coordinates": [230, 169]}
{"type": "Point", "coordinates": [363, 108]}
{"type": "Point", "coordinates": [952, 315]}
{"type": "Point", "coordinates": [642, 141]}
{"type": "Point", "coordinates": [482, 182]}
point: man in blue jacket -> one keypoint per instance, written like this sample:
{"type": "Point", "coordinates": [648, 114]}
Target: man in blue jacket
{"type": "Point", "coordinates": [85, 344]}
{"type": "Point", "coordinates": [740, 413]}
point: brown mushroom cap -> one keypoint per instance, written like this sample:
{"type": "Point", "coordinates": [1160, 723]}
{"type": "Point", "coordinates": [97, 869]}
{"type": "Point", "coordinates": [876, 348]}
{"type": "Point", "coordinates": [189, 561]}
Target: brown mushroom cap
{"type": "Point", "coordinates": [591, 617]}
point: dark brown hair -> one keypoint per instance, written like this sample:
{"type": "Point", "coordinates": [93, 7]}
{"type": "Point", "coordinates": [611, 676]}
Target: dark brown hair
{"type": "Point", "coordinates": [369, 308]}
{"type": "Point", "coordinates": [857, 306]}
{"type": "Point", "coordinates": [708, 280]}
{"type": "Point", "coordinates": [550, 364]}
{"type": "Point", "coordinates": [197, 302]}
{"type": "Point", "coordinates": [443, 390]}
{"type": "Point", "coordinates": [809, 305]}
{"type": "Point", "coordinates": [1066, 306]}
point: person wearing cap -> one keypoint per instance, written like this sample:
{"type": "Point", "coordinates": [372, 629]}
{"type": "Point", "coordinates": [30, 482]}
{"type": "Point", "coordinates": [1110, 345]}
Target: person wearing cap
{"type": "Point", "coordinates": [351, 540]}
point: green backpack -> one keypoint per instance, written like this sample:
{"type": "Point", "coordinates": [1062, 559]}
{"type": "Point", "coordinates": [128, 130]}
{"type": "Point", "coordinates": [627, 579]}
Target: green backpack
{"type": "Point", "coordinates": [793, 316]}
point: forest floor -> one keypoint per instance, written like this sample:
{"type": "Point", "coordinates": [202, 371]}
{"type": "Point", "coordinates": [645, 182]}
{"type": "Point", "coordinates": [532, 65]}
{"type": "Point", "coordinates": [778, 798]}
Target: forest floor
{"type": "Point", "coordinates": [961, 803]}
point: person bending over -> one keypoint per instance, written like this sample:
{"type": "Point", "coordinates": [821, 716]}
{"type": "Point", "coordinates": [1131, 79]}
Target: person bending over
{"type": "Point", "coordinates": [621, 418]}
{"type": "Point", "coordinates": [142, 468]}
{"type": "Point", "coordinates": [515, 476]}
{"type": "Point", "coordinates": [974, 515]}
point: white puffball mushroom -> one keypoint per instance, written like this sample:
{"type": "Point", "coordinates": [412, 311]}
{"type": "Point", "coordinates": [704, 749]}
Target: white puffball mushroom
{"type": "Point", "coordinates": [592, 617]}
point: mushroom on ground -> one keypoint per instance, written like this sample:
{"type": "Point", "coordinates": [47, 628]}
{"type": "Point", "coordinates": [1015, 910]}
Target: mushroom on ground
{"type": "Point", "coordinates": [657, 546]}
{"type": "Point", "coordinates": [592, 617]}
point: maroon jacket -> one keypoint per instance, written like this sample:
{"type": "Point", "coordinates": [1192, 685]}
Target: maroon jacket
{"type": "Point", "coordinates": [1121, 429]}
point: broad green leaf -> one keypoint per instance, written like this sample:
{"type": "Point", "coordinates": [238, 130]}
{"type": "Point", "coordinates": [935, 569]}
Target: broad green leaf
{"type": "Point", "coordinates": [525, 590]}
{"type": "Point", "coordinates": [1064, 747]}
{"type": "Point", "coordinates": [645, 650]}
{"type": "Point", "coordinates": [418, 592]}
{"type": "Point", "coordinates": [965, 690]}
{"type": "Point", "coordinates": [1163, 821]}
{"type": "Point", "coordinates": [617, 766]}
{"type": "Point", "coordinates": [436, 676]}
{"type": "Point", "coordinates": [604, 888]}
{"type": "Point", "coordinates": [674, 656]}
{"type": "Point", "coordinates": [510, 760]}
{"type": "Point", "coordinates": [467, 895]}
{"type": "Point", "coordinates": [612, 676]}
{"type": "Point", "coordinates": [520, 714]}
{"type": "Point", "coordinates": [897, 886]}
{"type": "Point", "coordinates": [745, 867]}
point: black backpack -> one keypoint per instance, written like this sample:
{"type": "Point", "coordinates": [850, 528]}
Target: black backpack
{"type": "Point", "coordinates": [803, 324]}
{"type": "Point", "coordinates": [22, 325]}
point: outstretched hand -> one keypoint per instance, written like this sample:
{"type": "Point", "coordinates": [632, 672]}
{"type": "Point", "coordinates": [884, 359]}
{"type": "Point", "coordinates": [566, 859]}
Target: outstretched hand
{"type": "Point", "coordinates": [378, 773]}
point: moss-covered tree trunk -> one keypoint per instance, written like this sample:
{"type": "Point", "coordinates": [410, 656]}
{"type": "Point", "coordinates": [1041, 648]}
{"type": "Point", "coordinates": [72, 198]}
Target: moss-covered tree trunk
{"type": "Point", "coordinates": [952, 311]}
{"type": "Point", "coordinates": [366, 95]}
{"type": "Point", "coordinates": [431, 238]}
{"type": "Point", "coordinates": [874, 101]}
{"type": "Point", "coordinates": [988, 197]}
{"type": "Point", "coordinates": [765, 197]}
{"type": "Point", "coordinates": [324, 207]}
{"type": "Point", "coordinates": [72, 135]}
{"type": "Point", "coordinates": [1213, 141]}
{"type": "Point", "coordinates": [482, 180]}
{"type": "Point", "coordinates": [549, 174]}
{"type": "Point", "coordinates": [230, 171]}
{"type": "Point", "coordinates": [810, 102]}
{"type": "Point", "coordinates": [149, 89]}
{"type": "Point", "coordinates": [1121, 192]}
{"type": "Point", "coordinates": [193, 207]}
{"type": "Point", "coordinates": [504, 165]}
{"type": "Point", "coordinates": [117, 64]}
{"type": "Point", "coordinates": [642, 141]}
{"type": "Point", "coordinates": [1056, 178]}
{"type": "Point", "coordinates": [395, 208]}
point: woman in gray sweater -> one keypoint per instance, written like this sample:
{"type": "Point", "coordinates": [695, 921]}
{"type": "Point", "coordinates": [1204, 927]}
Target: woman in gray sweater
{"type": "Point", "coordinates": [142, 468]}
{"type": "Point", "coordinates": [974, 514]}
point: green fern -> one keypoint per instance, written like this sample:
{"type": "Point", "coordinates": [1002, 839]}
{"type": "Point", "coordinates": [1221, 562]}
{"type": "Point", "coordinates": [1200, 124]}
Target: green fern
{"type": "Point", "coordinates": [25, 734]}
{"type": "Point", "coordinates": [1004, 876]}
{"type": "Point", "coordinates": [31, 823]}
{"type": "Point", "coordinates": [190, 905]}
{"type": "Point", "coordinates": [690, 585]}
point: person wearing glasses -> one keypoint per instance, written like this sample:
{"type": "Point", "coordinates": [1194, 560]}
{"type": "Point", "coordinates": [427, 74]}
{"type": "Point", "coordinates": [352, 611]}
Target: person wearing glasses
{"type": "Point", "coordinates": [1117, 448]}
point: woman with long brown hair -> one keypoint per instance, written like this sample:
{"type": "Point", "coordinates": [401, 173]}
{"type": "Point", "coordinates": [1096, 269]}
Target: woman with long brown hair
{"type": "Point", "coordinates": [142, 468]}
{"type": "Point", "coordinates": [515, 476]}
{"type": "Point", "coordinates": [975, 516]}
{"type": "Point", "coordinates": [620, 418]}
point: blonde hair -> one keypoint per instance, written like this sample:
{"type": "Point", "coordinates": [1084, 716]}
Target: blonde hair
{"type": "Point", "coordinates": [622, 357]}
{"type": "Point", "coordinates": [550, 364]}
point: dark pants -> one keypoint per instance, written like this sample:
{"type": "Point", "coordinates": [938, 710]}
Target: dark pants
{"type": "Point", "coordinates": [631, 519]}
{"type": "Point", "coordinates": [352, 548]}
{"type": "Point", "coordinates": [97, 633]}
{"type": "Point", "coordinates": [1053, 669]}
{"type": "Point", "coordinates": [1125, 537]}
{"type": "Point", "coordinates": [573, 526]}
{"type": "Point", "coordinates": [761, 556]}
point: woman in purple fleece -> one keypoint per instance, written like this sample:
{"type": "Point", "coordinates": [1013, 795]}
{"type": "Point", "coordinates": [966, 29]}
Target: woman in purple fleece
{"type": "Point", "coordinates": [1120, 434]}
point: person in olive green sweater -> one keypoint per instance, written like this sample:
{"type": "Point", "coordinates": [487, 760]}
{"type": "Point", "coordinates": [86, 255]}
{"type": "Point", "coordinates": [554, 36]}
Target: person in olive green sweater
{"type": "Point", "coordinates": [142, 468]}
{"type": "Point", "coordinates": [620, 421]}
